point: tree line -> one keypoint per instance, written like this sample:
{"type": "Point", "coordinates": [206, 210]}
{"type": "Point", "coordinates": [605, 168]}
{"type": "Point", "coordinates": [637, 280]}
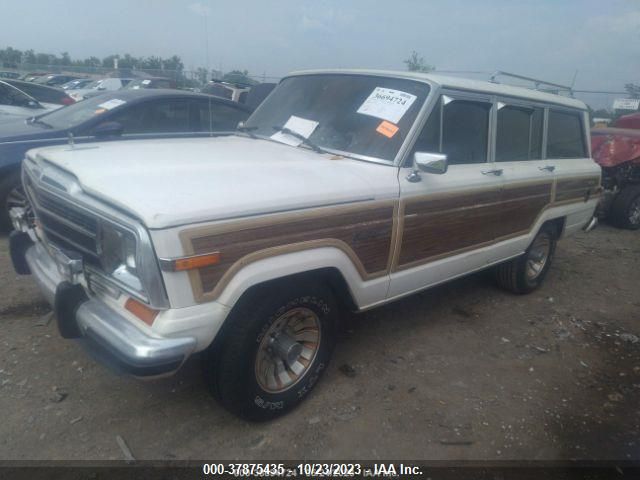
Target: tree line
{"type": "Point", "coordinates": [13, 58]}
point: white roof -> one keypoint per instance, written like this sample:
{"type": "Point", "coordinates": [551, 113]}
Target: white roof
{"type": "Point", "coordinates": [461, 83]}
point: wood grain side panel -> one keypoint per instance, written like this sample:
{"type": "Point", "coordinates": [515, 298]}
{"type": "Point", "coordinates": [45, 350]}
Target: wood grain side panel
{"type": "Point", "coordinates": [575, 188]}
{"type": "Point", "coordinates": [521, 206]}
{"type": "Point", "coordinates": [440, 224]}
{"type": "Point", "coordinates": [437, 226]}
{"type": "Point", "coordinates": [430, 235]}
{"type": "Point", "coordinates": [364, 235]}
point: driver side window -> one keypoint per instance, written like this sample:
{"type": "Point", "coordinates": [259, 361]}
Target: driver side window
{"type": "Point", "coordinates": [458, 128]}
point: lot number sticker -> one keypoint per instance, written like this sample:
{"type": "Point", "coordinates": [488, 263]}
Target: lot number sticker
{"type": "Point", "coordinates": [387, 104]}
{"type": "Point", "coordinates": [301, 126]}
{"type": "Point", "coordinates": [116, 102]}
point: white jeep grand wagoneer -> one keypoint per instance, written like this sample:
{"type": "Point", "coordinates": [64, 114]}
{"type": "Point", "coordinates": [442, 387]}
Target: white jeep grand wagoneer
{"type": "Point", "coordinates": [345, 189]}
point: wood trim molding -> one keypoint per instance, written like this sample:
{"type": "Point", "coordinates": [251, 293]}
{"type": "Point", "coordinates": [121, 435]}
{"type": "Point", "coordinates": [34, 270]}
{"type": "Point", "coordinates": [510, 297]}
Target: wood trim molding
{"type": "Point", "coordinates": [373, 233]}
{"type": "Point", "coordinates": [364, 231]}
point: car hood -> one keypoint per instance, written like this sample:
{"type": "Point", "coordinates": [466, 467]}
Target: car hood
{"type": "Point", "coordinates": [167, 183]}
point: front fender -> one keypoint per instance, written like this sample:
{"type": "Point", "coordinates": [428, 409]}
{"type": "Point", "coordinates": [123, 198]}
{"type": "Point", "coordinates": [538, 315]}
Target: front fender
{"type": "Point", "coordinates": [363, 292]}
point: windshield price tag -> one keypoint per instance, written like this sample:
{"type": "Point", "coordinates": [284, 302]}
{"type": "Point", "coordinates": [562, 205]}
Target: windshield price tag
{"type": "Point", "coordinates": [299, 125]}
{"type": "Point", "coordinates": [113, 103]}
{"type": "Point", "coordinates": [387, 104]}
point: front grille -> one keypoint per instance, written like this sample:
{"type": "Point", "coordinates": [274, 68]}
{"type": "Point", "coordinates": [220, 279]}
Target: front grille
{"type": "Point", "coordinates": [65, 225]}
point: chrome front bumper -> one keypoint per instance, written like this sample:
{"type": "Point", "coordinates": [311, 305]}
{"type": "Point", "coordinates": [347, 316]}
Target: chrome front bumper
{"type": "Point", "coordinates": [115, 339]}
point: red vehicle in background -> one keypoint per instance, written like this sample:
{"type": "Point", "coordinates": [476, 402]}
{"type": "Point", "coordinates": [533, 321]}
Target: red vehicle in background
{"type": "Point", "coordinates": [617, 151]}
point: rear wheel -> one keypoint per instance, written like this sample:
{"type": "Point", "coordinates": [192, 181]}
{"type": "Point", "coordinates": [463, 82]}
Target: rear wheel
{"type": "Point", "coordinates": [527, 272]}
{"type": "Point", "coordinates": [273, 349]}
{"type": "Point", "coordinates": [625, 210]}
{"type": "Point", "coordinates": [11, 195]}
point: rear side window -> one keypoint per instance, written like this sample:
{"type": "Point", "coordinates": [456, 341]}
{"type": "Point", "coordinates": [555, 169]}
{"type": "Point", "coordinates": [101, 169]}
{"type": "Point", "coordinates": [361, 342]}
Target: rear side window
{"type": "Point", "coordinates": [44, 94]}
{"type": "Point", "coordinates": [155, 116]}
{"type": "Point", "coordinates": [565, 135]}
{"type": "Point", "coordinates": [519, 133]}
{"type": "Point", "coordinates": [13, 97]}
{"type": "Point", "coordinates": [215, 116]}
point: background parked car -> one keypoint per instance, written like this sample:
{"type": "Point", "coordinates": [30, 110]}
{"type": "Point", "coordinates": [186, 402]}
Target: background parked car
{"type": "Point", "coordinates": [13, 75]}
{"type": "Point", "coordinates": [54, 80]}
{"type": "Point", "coordinates": [16, 104]}
{"type": "Point", "coordinates": [42, 93]}
{"type": "Point", "coordinates": [122, 115]}
{"type": "Point", "coordinates": [76, 84]}
{"type": "Point", "coordinates": [257, 94]}
{"type": "Point", "coordinates": [617, 151]}
{"type": "Point", "coordinates": [155, 82]}
{"type": "Point", "coordinates": [231, 91]}
{"type": "Point", "coordinates": [97, 87]}
{"type": "Point", "coordinates": [31, 76]}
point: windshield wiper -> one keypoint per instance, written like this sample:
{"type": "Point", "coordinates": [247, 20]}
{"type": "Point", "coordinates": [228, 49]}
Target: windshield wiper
{"type": "Point", "coordinates": [37, 121]}
{"type": "Point", "coordinates": [304, 139]}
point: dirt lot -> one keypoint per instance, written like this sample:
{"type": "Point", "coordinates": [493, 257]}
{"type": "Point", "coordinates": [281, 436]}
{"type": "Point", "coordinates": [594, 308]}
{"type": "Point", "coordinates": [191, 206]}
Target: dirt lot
{"type": "Point", "coordinates": [463, 371]}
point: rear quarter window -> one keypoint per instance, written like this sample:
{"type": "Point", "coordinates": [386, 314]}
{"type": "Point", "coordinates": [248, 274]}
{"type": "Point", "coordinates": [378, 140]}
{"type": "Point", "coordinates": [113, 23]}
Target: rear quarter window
{"type": "Point", "coordinates": [44, 94]}
{"type": "Point", "coordinates": [565, 135]}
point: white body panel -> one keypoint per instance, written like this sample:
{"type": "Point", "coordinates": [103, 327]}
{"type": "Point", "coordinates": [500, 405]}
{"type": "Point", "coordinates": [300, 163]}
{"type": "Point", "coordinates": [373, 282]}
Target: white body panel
{"type": "Point", "coordinates": [173, 182]}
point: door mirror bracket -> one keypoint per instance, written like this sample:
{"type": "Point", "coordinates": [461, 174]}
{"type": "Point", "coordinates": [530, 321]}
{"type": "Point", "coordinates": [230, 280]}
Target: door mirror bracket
{"type": "Point", "coordinates": [435, 163]}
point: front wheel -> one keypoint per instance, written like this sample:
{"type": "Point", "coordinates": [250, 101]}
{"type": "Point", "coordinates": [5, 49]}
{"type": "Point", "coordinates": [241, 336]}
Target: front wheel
{"type": "Point", "coordinates": [527, 272]}
{"type": "Point", "coordinates": [273, 349]}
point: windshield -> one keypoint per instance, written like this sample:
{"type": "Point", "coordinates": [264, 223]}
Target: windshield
{"type": "Point", "coordinates": [80, 112]}
{"type": "Point", "coordinates": [363, 115]}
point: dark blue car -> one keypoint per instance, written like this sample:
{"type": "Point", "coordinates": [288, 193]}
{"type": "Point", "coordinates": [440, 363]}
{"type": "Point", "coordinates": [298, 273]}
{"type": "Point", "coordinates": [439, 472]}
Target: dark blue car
{"type": "Point", "coordinates": [119, 115]}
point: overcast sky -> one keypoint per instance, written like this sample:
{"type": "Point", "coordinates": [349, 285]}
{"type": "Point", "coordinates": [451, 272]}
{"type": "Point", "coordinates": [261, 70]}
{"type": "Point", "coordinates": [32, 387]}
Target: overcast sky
{"type": "Point", "coordinates": [548, 39]}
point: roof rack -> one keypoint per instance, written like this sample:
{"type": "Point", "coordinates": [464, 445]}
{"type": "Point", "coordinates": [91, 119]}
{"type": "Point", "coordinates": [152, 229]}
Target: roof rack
{"type": "Point", "coordinates": [555, 87]}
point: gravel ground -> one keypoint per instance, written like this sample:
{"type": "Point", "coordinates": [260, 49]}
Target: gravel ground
{"type": "Point", "coordinates": [462, 371]}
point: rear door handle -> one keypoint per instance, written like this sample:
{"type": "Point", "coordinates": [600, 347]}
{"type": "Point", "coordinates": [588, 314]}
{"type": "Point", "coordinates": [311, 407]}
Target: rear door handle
{"type": "Point", "coordinates": [496, 172]}
{"type": "Point", "coordinates": [548, 168]}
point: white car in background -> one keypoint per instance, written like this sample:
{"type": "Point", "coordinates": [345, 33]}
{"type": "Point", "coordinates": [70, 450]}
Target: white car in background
{"type": "Point", "coordinates": [15, 104]}
{"type": "Point", "coordinates": [99, 86]}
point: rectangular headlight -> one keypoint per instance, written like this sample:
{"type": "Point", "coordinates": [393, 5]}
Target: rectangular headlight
{"type": "Point", "coordinates": [118, 255]}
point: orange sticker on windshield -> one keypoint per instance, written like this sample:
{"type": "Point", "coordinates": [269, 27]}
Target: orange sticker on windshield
{"type": "Point", "coordinates": [387, 129]}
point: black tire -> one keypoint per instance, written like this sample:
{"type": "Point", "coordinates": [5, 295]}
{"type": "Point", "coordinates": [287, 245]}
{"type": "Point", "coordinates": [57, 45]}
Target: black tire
{"type": "Point", "coordinates": [513, 275]}
{"type": "Point", "coordinates": [231, 363]}
{"type": "Point", "coordinates": [8, 184]}
{"type": "Point", "coordinates": [624, 213]}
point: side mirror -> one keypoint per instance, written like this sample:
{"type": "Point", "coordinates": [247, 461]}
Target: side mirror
{"type": "Point", "coordinates": [108, 129]}
{"type": "Point", "coordinates": [435, 163]}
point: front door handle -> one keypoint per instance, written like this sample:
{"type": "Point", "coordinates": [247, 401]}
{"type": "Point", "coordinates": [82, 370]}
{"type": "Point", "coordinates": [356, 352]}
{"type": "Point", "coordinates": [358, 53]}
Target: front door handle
{"type": "Point", "coordinates": [548, 168]}
{"type": "Point", "coordinates": [496, 172]}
